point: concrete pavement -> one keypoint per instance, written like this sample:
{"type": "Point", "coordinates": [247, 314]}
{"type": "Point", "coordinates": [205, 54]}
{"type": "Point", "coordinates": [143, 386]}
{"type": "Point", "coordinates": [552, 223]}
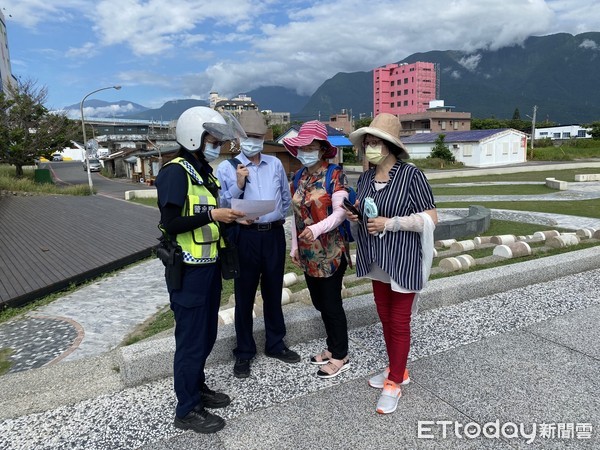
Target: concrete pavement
{"type": "Point", "coordinates": [527, 356]}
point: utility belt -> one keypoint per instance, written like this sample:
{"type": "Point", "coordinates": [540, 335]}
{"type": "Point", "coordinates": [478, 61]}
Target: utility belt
{"type": "Point", "coordinates": [267, 226]}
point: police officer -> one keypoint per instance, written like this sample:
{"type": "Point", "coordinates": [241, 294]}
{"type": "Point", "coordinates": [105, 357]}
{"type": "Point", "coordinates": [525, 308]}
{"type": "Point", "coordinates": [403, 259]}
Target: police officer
{"type": "Point", "coordinates": [261, 243]}
{"type": "Point", "coordinates": [190, 214]}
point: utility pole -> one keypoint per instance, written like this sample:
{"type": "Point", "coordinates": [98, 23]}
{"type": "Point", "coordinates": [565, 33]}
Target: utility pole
{"type": "Point", "coordinates": [533, 131]}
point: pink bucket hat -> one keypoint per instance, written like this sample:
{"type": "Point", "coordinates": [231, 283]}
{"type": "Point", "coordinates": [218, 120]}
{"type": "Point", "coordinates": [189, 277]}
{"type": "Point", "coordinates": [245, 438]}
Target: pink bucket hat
{"type": "Point", "coordinates": [310, 131]}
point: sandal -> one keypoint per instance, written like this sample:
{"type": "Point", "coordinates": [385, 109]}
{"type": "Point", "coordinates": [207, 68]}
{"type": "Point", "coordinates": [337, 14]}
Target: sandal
{"type": "Point", "coordinates": [321, 358]}
{"type": "Point", "coordinates": [333, 368]}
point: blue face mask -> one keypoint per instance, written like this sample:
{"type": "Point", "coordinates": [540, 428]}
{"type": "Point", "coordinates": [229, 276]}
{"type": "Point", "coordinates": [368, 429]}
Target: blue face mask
{"type": "Point", "coordinates": [211, 151]}
{"type": "Point", "coordinates": [251, 146]}
{"type": "Point", "coordinates": [308, 159]}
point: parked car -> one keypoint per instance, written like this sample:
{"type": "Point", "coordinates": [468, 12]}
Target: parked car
{"type": "Point", "coordinates": [57, 157]}
{"type": "Point", "coordinates": [95, 165]}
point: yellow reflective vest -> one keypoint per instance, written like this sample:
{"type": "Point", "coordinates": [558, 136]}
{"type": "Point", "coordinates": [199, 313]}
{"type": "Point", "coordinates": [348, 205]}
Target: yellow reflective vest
{"type": "Point", "coordinates": [199, 246]}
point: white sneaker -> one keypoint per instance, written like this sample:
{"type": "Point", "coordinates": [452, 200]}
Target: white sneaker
{"type": "Point", "coordinates": [388, 400]}
{"type": "Point", "coordinates": [377, 381]}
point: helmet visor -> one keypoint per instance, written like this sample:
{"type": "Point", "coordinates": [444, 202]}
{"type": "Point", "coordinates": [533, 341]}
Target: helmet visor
{"type": "Point", "coordinates": [228, 131]}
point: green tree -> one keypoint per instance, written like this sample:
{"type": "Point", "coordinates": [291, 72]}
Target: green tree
{"type": "Point", "coordinates": [363, 122]}
{"type": "Point", "coordinates": [441, 151]}
{"type": "Point", "coordinates": [595, 132]}
{"type": "Point", "coordinates": [27, 129]}
{"type": "Point", "coordinates": [278, 129]}
{"type": "Point", "coordinates": [516, 115]}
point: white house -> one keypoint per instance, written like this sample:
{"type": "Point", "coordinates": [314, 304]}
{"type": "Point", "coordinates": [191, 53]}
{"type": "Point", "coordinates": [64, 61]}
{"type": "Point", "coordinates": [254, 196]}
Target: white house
{"type": "Point", "coordinates": [474, 148]}
{"type": "Point", "coordinates": [563, 132]}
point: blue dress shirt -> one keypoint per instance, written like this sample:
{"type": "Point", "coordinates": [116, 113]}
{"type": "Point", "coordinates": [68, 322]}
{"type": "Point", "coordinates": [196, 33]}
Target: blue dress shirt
{"type": "Point", "coordinates": [266, 181]}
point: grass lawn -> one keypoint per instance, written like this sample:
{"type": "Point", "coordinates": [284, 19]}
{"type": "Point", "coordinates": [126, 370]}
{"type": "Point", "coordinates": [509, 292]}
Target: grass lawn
{"type": "Point", "coordinates": [5, 363]}
{"type": "Point", "coordinates": [563, 175]}
{"type": "Point", "coordinates": [510, 189]}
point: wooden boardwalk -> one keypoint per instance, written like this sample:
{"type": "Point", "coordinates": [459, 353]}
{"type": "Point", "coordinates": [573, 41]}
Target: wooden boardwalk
{"type": "Point", "coordinates": [49, 242]}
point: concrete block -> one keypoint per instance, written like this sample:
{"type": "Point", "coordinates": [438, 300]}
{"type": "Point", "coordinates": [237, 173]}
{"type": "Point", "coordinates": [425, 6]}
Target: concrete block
{"type": "Point", "coordinates": [450, 264]}
{"type": "Point", "coordinates": [481, 240]}
{"type": "Point", "coordinates": [588, 177]}
{"type": "Point", "coordinates": [553, 183]}
{"type": "Point", "coordinates": [444, 243]}
{"type": "Point", "coordinates": [290, 279]}
{"type": "Point", "coordinates": [513, 250]}
{"type": "Point", "coordinates": [585, 233]}
{"type": "Point", "coordinates": [564, 240]}
{"type": "Point", "coordinates": [544, 235]}
{"type": "Point", "coordinates": [466, 261]}
{"type": "Point", "coordinates": [142, 193]}
{"type": "Point", "coordinates": [504, 239]}
{"type": "Point", "coordinates": [463, 246]}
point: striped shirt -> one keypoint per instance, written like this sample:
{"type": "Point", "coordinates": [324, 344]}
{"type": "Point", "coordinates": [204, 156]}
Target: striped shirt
{"type": "Point", "coordinates": [397, 253]}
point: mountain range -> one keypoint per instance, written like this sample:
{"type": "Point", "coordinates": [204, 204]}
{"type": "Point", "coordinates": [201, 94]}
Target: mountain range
{"type": "Point", "coordinates": [559, 73]}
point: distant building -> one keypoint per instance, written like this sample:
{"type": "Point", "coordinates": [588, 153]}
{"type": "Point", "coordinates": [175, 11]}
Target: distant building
{"type": "Point", "coordinates": [6, 76]}
{"type": "Point", "coordinates": [563, 132]}
{"type": "Point", "coordinates": [236, 105]}
{"type": "Point", "coordinates": [244, 102]}
{"type": "Point", "coordinates": [276, 118]}
{"type": "Point", "coordinates": [474, 148]}
{"type": "Point", "coordinates": [404, 88]}
{"type": "Point", "coordinates": [213, 99]}
{"type": "Point", "coordinates": [341, 122]}
{"type": "Point", "coordinates": [436, 118]}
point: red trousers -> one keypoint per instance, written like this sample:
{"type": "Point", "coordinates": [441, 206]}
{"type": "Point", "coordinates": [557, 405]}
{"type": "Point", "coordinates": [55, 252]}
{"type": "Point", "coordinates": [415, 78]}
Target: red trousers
{"type": "Point", "coordinates": [394, 309]}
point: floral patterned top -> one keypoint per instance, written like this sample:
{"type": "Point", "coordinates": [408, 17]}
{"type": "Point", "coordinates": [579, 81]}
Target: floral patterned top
{"type": "Point", "coordinates": [311, 203]}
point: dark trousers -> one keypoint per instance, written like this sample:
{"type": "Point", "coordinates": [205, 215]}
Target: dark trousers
{"type": "Point", "coordinates": [262, 259]}
{"type": "Point", "coordinates": [196, 322]}
{"type": "Point", "coordinates": [326, 296]}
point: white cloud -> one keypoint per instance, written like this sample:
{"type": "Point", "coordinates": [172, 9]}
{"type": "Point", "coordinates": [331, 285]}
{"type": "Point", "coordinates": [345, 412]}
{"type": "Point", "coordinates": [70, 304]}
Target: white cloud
{"type": "Point", "coordinates": [189, 47]}
{"type": "Point", "coordinates": [87, 50]}
{"type": "Point", "coordinates": [455, 74]}
{"type": "Point", "coordinates": [470, 62]}
{"type": "Point", "coordinates": [588, 43]}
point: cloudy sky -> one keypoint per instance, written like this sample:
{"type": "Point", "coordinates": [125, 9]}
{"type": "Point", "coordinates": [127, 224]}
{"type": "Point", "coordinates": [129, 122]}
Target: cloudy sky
{"type": "Point", "coordinates": [164, 50]}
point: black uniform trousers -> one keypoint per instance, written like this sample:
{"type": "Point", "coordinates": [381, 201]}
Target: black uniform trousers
{"type": "Point", "coordinates": [262, 259]}
{"type": "Point", "coordinates": [196, 310]}
{"type": "Point", "coordinates": [326, 296]}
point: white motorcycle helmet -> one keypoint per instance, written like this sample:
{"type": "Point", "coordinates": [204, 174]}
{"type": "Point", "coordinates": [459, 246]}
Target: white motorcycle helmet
{"type": "Point", "coordinates": [194, 122]}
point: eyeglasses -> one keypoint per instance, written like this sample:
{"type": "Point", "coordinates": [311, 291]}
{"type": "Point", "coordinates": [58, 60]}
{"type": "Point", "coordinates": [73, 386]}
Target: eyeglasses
{"type": "Point", "coordinates": [372, 141]}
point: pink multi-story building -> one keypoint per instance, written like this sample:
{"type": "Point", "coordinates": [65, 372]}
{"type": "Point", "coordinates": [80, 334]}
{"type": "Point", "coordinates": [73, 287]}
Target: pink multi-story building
{"type": "Point", "coordinates": [404, 88]}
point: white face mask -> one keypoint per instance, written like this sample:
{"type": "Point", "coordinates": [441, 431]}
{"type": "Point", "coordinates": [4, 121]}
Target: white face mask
{"type": "Point", "coordinates": [251, 146]}
{"type": "Point", "coordinates": [211, 151]}
{"type": "Point", "coordinates": [373, 154]}
{"type": "Point", "coordinates": [308, 159]}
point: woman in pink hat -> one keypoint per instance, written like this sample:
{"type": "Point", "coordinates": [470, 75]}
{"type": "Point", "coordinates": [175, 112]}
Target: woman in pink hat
{"type": "Point", "coordinates": [317, 245]}
{"type": "Point", "coordinates": [394, 244]}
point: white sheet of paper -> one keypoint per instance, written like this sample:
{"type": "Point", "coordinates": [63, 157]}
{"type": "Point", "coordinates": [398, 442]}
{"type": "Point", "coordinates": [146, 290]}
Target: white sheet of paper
{"type": "Point", "coordinates": [253, 208]}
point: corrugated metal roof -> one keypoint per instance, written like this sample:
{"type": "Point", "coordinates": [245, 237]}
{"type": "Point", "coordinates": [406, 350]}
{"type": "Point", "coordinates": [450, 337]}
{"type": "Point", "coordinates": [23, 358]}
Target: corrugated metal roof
{"type": "Point", "coordinates": [454, 136]}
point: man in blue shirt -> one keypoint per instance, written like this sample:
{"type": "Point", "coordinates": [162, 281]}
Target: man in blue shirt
{"type": "Point", "coordinates": [261, 243]}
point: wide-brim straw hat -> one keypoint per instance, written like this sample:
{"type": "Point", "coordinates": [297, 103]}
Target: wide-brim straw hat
{"type": "Point", "coordinates": [385, 126]}
{"type": "Point", "coordinates": [310, 131]}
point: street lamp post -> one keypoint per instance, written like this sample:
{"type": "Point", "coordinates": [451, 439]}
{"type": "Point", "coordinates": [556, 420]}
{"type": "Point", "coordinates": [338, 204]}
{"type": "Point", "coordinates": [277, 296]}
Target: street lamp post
{"type": "Point", "coordinates": [87, 156]}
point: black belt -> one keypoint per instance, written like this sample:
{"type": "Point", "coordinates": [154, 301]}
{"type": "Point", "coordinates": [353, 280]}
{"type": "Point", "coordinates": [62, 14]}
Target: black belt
{"type": "Point", "coordinates": [264, 226]}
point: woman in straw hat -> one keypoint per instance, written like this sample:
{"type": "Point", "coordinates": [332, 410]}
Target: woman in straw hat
{"type": "Point", "coordinates": [394, 243]}
{"type": "Point", "coordinates": [317, 245]}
